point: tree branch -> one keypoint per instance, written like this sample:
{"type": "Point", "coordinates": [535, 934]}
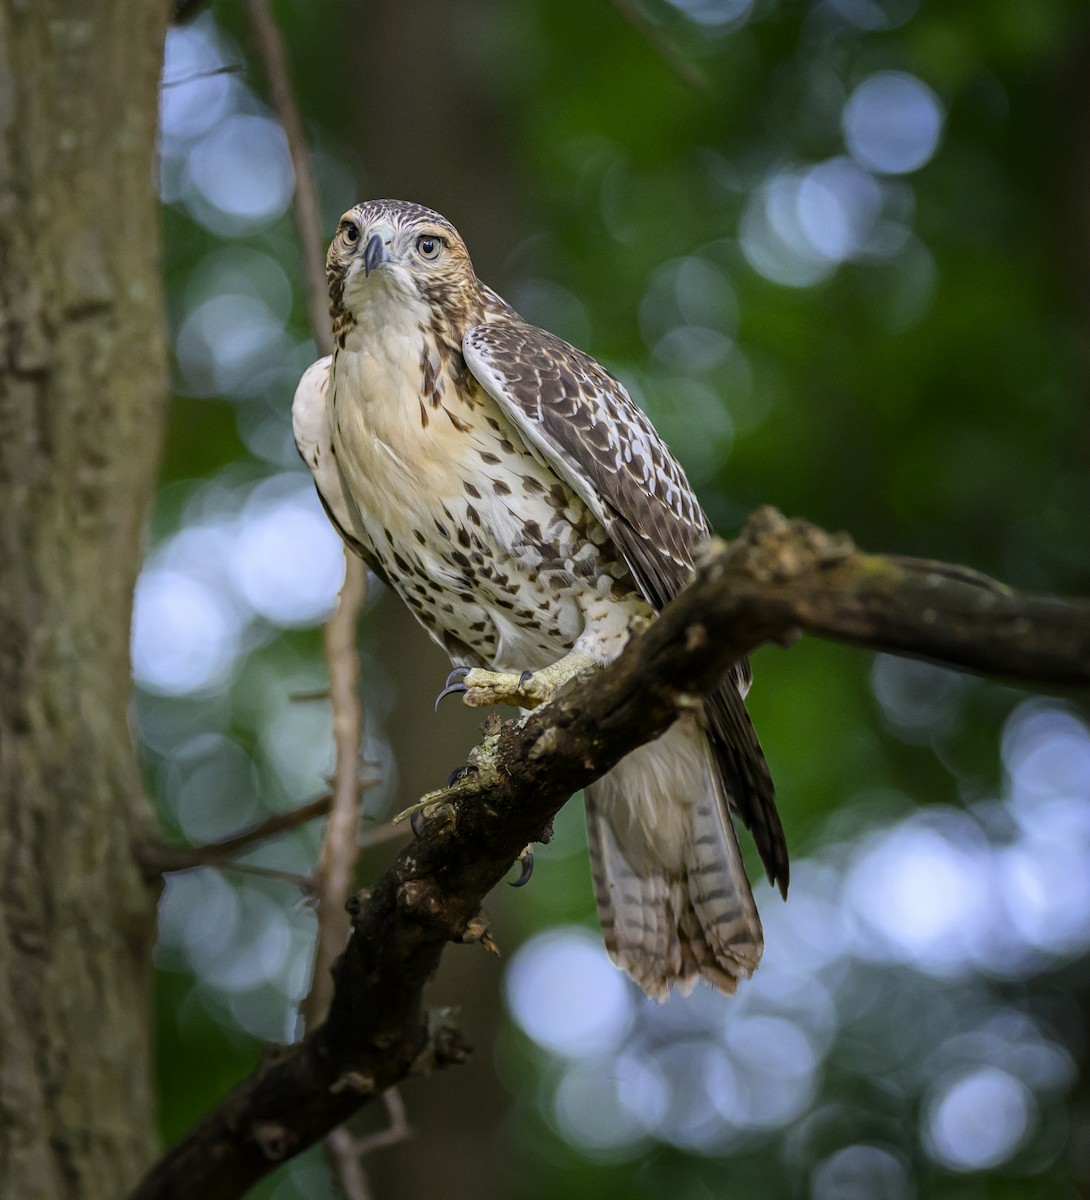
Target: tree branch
{"type": "Point", "coordinates": [777, 579]}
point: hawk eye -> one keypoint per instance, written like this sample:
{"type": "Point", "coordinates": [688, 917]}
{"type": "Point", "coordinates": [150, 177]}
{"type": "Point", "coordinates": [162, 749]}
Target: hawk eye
{"type": "Point", "coordinates": [351, 233]}
{"type": "Point", "coordinates": [428, 246]}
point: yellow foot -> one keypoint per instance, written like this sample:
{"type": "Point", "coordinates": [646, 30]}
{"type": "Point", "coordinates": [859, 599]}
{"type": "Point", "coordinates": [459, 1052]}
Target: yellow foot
{"type": "Point", "coordinates": [479, 688]}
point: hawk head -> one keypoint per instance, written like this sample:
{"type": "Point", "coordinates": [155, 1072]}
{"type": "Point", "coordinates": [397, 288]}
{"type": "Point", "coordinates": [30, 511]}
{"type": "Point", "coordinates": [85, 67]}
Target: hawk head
{"type": "Point", "coordinates": [391, 253]}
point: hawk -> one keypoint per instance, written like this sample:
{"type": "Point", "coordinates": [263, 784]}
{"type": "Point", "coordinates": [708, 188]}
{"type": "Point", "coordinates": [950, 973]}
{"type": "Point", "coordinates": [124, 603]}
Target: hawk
{"type": "Point", "coordinates": [505, 485]}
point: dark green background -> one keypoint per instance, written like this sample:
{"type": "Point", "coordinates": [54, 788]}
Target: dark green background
{"type": "Point", "coordinates": [931, 402]}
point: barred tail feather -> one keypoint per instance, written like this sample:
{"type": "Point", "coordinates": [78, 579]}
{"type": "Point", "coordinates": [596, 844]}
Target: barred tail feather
{"type": "Point", "coordinates": [672, 894]}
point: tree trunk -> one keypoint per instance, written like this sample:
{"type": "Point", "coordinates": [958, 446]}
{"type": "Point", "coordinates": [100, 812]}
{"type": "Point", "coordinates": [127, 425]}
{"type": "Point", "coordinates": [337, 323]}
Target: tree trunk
{"type": "Point", "coordinates": [83, 387]}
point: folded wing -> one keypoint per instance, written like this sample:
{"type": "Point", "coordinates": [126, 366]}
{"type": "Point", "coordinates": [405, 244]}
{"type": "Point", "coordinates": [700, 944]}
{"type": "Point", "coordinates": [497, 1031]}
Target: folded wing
{"type": "Point", "coordinates": [583, 422]}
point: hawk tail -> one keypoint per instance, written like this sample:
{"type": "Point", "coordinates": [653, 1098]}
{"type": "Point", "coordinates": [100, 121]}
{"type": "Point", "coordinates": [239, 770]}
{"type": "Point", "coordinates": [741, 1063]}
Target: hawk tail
{"type": "Point", "coordinates": [672, 894]}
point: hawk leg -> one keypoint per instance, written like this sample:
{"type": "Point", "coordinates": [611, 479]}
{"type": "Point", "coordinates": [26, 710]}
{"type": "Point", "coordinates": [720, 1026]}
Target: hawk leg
{"type": "Point", "coordinates": [479, 688]}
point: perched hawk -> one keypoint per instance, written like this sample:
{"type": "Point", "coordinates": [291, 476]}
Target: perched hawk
{"type": "Point", "coordinates": [507, 488]}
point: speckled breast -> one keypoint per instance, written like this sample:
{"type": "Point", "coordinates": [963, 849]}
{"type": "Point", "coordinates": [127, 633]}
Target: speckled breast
{"type": "Point", "coordinates": [494, 554]}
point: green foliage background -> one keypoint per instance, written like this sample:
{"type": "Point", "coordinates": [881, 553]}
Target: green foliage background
{"type": "Point", "coordinates": [931, 401]}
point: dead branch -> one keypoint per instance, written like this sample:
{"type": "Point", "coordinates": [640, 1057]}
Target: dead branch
{"type": "Point", "coordinates": [778, 579]}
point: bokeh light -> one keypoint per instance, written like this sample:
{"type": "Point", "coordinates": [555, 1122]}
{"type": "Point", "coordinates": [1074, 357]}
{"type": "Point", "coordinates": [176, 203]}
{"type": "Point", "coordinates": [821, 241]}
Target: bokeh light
{"type": "Point", "coordinates": [925, 893]}
{"type": "Point", "coordinates": [715, 13]}
{"type": "Point", "coordinates": [862, 1172]}
{"type": "Point", "coordinates": [241, 175]}
{"type": "Point", "coordinates": [186, 635]}
{"type": "Point", "coordinates": [892, 123]}
{"type": "Point", "coordinates": [875, 14]}
{"type": "Point", "coordinates": [979, 1120]}
{"type": "Point", "coordinates": [262, 552]}
{"type": "Point", "coordinates": [565, 993]}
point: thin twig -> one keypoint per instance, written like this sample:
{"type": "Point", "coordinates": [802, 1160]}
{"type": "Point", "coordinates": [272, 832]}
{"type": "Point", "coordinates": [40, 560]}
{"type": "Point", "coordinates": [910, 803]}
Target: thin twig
{"type": "Point", "coordinates": [346, 1151]}
{"type": "Point", "coordinates": [398, 1130]}
{"type": "Point", "coordinates": [340, 847]}
{"type": "Point", "coordinates": [346, 1163]}
{"type": "Point", "coordinates": [685, 69]}
{"type": "Point", "coordinates": [182, 80]}
{"type": "Point", "coordinates": [156, 858]}
{"type": "Point", "coordinates": [305, 883]}
{"type": "Point", "coordinates": [274, 59]}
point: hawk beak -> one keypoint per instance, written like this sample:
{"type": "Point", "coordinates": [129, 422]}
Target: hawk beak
{"type": "Point", "coordinates": [374, 254]}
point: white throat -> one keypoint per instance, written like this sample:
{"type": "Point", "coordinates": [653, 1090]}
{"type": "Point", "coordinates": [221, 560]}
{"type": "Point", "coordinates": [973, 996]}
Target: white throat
{"type": "Point", "coordinates": [388, 312]}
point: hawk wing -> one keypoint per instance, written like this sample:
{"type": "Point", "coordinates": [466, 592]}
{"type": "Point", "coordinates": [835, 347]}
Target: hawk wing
{"type": "Point", "coordinates": [310, 425]}
{"type": "Point", "coordinates": [583, 422]}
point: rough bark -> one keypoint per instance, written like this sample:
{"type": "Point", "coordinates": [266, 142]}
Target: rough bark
{"type": "Point", "coordinates": [83, 387]}
{"type": "Point", "coordinates": [779, 579]}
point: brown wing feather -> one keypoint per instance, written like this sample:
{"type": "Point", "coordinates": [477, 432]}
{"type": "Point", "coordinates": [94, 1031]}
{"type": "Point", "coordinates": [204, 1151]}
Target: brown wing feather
{"type": "Point", "coordinates": [585, 424]}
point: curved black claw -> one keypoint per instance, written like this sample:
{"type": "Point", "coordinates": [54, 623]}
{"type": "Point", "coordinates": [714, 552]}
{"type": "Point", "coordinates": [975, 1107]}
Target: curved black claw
{"type": "Point", "coordinates": [416, 822]}
{"type": "Point", "coordinates": [527, 860]}
{"type": "Point", "coordinates": [453, 684]}
{"type": "Point", "coordinates": [460, 773]}
{"type": "Point", "coordinates": [525, 678]}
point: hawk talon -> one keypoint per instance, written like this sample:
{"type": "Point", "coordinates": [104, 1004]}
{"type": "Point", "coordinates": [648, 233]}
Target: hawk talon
{"type": "Point", "coordinates": [459, 773]}
{"type": "Point", "coordinates": [483, 693]}
{"type": "Point", "coordinates": [426, 809]}
{"type": "Point", "coordinates": [526, 858]}
{"type": "Point", "coordinates": [480, 687]}
{"type": "Point", "coordinates": [455, 683]}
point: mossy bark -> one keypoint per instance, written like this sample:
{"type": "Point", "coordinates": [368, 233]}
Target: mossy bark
{"type": "Point", "coordinates": [83, 389]}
